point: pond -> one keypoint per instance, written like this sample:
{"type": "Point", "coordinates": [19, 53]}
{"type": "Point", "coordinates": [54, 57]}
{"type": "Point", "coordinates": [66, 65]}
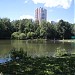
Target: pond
{"type": "Point", "coordinates": [35, 47]}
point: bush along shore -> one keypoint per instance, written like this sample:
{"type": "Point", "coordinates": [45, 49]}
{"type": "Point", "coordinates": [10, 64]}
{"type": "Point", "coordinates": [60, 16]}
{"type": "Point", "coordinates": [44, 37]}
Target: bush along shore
{"type": "Point", "coordinates": [22, 64]}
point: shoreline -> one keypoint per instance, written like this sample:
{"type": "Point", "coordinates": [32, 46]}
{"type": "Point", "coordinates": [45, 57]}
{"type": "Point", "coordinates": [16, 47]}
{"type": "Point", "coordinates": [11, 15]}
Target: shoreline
{"type": "Point", "coordinates": [64, 40]}
{"type": "Point", "coordinates": [67, 40]}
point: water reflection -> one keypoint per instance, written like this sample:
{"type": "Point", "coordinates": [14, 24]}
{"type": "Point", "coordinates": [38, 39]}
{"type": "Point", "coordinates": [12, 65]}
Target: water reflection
{"type": "Point", "coordinates": [34, 47]}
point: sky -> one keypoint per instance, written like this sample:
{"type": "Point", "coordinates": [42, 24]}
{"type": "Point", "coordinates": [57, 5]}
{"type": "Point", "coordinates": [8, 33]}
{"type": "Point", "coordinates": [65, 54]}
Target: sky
{"type": "Point", "coordinates": [21, 9]}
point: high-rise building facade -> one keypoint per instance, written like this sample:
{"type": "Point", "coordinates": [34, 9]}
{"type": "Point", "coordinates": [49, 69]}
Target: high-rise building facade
{"type": "Point", "coordinates": [40, 14]}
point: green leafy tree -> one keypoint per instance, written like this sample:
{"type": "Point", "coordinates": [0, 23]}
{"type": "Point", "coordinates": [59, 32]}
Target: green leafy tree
{"type": "Point", "coordinates": [30, 35]}
{"type": "Point", "coordinates": [73, 29]}
{"type": "Point", "coordinates": [32, 29]}
{"type": "Point", "coordinates": [64, 29]}
{"type": "Point", "coordinates": [22, 36]}
{"type": "Point", "coordinates": [16, 25]}
{"type": "Point", "coordinates": [37, 32]}
{"type": "Point", "coordinates": [43, 29]}
{"type": "Point", "coordinates": [6, 29]}
{"type": "Point", "coordinates": [60, 29]}
{"type": "Point", "coordinates": [51, 31]}
{"type": "Point", "coordinates": [15, 35]}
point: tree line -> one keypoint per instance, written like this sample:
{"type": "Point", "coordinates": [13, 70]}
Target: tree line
{"type": "Point", "coordinates": [29, 29]}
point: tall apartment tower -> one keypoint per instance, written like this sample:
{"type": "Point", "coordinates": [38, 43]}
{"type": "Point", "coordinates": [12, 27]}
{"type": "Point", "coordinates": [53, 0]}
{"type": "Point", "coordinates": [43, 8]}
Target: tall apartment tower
{"type": "Point", "coordinates": [40, 14]}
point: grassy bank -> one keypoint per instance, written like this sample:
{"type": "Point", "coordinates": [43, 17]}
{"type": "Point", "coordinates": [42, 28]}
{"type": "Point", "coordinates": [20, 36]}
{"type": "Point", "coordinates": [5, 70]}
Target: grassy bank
{"type": "Point", "coordinates": [21, 64]}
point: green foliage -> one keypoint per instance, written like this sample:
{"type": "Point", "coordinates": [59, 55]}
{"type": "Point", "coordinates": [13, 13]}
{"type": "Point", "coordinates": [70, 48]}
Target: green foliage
{"type": "Point", "coordinates": [6, 29]}
{"type": "Point", "coordinates": [73, 29]}
{"type": "Point", "coordinates": [43, 29]}
{"type": "Point", "coordinates": [37, 32]}
{"type": "Point", "coordinates": [18, 35]}
{"type": "Point", "coordinates": [42, 33]}
{"type": "Point", "coordinates": [17, 55]}
{"type": "Point", "coordinates": [51, 31]}
{"type": "Point", "coordinates": [64, 30]}
{"type": "Point", "coordinates": [60, 52]}
{"type": "Point", "coordinates": [15, 35]}
{"type": "Point", "coordinates": [32, 29]}
{"type": "Point", "coordinates": [30, 35]}
{"type": "Point", "coordinates": [22, 36]}
{"type": "Point", "coordinates": [22, 64]}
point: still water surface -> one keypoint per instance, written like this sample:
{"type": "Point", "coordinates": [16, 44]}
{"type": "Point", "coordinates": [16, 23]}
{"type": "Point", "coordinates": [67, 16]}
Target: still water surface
{"type": "Point", "coordinates": [34, 47]}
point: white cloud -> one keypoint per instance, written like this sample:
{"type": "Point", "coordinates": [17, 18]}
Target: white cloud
{"type": "Point", "coordinates": [26, 17]}
{"type": "Point", "coordinates": [54, 3]}
{"type": "Point", "coordinates": [49, 21]}
{"type": "Point", "coordinates": [58, 20]}
{"type": "Point", "coordinates": [26, 1]}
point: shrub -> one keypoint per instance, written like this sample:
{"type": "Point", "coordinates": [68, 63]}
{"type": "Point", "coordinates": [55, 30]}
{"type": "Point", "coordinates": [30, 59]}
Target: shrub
{"type": "Point", "coordinates": [30, 35]}
{"type": "Point", "coordinates": [22, 36]}
{"type": "Point", "coordinates": [15, 35]}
